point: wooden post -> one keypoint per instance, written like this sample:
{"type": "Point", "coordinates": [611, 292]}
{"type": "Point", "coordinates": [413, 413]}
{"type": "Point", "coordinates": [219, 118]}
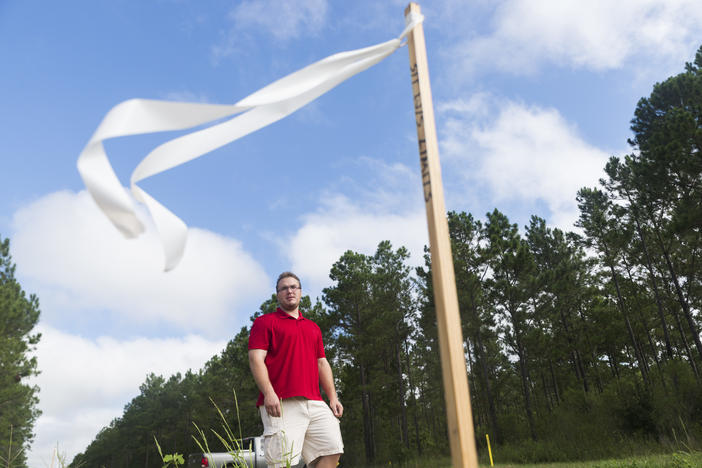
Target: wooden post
{"type": "Point", "coordinates": [453, 361]}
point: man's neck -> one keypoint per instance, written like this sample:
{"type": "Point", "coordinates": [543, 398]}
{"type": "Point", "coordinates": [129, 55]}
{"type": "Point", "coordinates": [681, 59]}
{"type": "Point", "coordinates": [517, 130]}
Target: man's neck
{"type": "Point", "coordinates": [293, 313]}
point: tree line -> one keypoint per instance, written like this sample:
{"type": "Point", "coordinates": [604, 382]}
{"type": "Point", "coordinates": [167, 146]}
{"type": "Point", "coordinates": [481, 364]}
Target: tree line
{"type": "Point", "coordinates": [578, 345]}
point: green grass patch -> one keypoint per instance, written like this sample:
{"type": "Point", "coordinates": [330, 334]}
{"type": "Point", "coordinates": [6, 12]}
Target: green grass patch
{"type": "Point", "coordinates": [674, 460]}
{"type": "Point", "coordinates": [671, 460]}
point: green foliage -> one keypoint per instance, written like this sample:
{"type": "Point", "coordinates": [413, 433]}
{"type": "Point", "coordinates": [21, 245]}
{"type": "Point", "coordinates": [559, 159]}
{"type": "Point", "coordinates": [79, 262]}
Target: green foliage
{"type": "Point", "coordinates": [10, 458]}
{"type": "Point", "coordinates": [675, 460]}
{"type": "Point", "coordinates": [578, 346]}
{"type": "Point", "coordinates": [370, 313]}
{"type": "Point", "coordinates": [19, 315]}
{"type": "Point", "coordinates": [175, 459]}
{"type": "Point", "coordinates": [231, 443]}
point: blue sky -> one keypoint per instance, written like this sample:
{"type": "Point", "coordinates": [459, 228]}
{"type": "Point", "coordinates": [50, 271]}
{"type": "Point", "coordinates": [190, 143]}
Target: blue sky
{"type": "Point", "coordinates": [531, 97]}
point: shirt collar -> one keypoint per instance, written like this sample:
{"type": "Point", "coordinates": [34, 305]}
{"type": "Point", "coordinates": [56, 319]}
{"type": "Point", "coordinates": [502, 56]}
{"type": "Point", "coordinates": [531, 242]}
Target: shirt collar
{"type": "Point", "coordinates": [281, 313]}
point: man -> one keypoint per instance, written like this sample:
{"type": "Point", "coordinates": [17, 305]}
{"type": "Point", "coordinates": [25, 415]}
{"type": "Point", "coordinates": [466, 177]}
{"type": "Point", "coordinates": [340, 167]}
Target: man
{"type": "Point", "coordinates": [287, 360]}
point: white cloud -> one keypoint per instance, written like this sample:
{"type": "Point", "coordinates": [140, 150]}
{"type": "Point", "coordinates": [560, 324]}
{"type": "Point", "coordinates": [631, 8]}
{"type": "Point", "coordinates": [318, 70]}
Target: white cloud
{"type": "Point", "coordinates": [85, 383]}
{"type": "Point", "coordinates": [281, 20]}
{"type": "Point", "coordinates": [524, 154]}
{"type": "Point", "coordinates": [68, 253]}
{"type": "Point", "coordinates": [342, 225]}
{"type": "Point", "coordinates": [385, 205]}
{"type": "Point", "coordinates": [284, 20]}
{"type": "Point", "coordinates": [66, 437]}
{"type": "Point", "coordinates": [599, 35]}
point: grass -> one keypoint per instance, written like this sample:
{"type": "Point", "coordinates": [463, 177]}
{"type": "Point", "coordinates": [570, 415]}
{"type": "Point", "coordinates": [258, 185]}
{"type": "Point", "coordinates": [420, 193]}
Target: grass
{"type": "Point", "coordinates": [679, 459]}
{"type": "Point", "coordinates": [227, 438]}
{"type": "Point", "coordinates": [674, 460]}
{"type": "Point", "coordinates": [231, 443]}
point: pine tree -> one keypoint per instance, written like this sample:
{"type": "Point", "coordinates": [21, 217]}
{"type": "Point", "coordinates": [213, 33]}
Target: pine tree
{"type": "Point", "coordinates": [19, 314]}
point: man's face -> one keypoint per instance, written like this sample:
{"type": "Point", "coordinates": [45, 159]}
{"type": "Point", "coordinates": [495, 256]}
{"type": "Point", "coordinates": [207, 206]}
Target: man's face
{"type": "Point", "coordinates": [289, 294]}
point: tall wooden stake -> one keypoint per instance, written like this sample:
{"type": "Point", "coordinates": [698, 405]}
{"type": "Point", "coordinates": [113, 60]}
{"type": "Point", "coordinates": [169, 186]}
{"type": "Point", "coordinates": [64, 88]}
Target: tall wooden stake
{"type": "Point", "coordinates": [453, 362]}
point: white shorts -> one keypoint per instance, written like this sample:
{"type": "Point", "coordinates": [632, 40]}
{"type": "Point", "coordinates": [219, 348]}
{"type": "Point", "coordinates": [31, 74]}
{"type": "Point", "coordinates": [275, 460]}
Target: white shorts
{"type": "Point", "coordinates": [306, 428]}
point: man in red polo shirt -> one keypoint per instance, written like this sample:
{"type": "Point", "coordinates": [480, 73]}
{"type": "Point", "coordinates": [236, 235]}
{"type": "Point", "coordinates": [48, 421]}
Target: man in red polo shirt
{"type": "Point", "coordinates": [287, 360]}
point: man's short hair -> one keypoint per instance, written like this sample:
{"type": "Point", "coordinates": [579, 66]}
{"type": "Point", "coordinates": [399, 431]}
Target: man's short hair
{"type": "Point", "coordinates": [287, 274]}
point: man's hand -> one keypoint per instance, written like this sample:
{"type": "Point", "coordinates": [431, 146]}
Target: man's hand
{"type": "Point", "coordinates": [257, 361]}
{"type": "Point", "coordinates": [326, 379]}
{"type": "Point", "coordinates": [272, 404]}
{"type": "Point", "coordinates": [336, 407]}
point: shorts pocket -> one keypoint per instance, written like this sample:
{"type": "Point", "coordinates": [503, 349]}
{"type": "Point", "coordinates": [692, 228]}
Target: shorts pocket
{"type": "Point", "coordinates": [273, 437]}
{"type": "Point", "coordinates": [271, 424]}
{"type": "Point", "coordinates": [273, 444]}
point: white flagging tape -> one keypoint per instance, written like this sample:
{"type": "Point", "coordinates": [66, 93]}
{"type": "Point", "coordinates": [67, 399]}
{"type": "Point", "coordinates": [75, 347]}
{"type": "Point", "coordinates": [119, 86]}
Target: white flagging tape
{"type": "Point", "coordinates": [265, 106]}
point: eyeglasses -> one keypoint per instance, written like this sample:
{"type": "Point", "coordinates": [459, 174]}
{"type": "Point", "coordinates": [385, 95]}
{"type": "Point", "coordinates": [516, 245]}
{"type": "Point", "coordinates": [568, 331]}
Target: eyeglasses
{"type": "Point", "coordinates": [291, 288]}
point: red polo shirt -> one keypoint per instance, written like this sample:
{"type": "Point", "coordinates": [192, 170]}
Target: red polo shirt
{"type": "Point", "coordinates": [293, 346]}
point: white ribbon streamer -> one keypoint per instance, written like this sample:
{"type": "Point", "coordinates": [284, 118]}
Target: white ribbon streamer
{"type": "Point", "coordinates": [265, 106]}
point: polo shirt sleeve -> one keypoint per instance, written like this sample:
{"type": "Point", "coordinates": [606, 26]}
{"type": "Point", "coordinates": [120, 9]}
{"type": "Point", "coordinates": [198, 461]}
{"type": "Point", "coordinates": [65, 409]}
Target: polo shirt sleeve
{"type": "Point", "coordinates": [259, 338]}
{"type": "Point", "coordinates": [320, 345]}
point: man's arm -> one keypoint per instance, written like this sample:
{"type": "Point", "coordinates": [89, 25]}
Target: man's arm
{"type": "Point", "coordinates": [260, 374]}
{"type": "Point", "coordinates": [326, 379]}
